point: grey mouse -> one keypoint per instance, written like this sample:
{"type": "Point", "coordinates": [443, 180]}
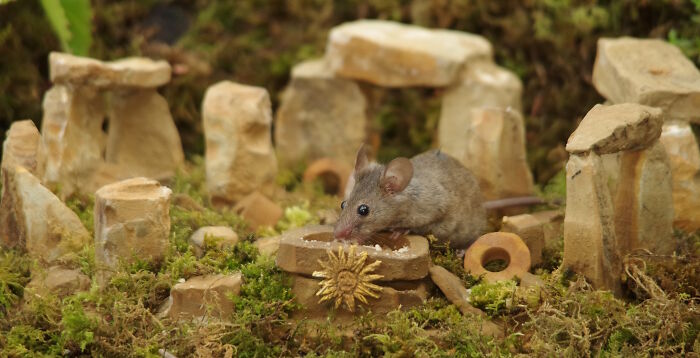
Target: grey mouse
{"type": "Point", "coordinates": [432, 193]}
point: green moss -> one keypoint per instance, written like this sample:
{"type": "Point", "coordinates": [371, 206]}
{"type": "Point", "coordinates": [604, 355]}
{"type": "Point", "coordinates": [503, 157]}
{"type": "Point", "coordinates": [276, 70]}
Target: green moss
{"type": "Point", "coordinates": [493, 298]}
{"type": "Point", "coordinates": [443, 255]}
{"type": "Point", "coordinates": [78, 327]}
{"type": "Point", "coordinates": [14, 274]}
{"type": "Point", "coordinates": [555, 189]}
{"type": "Point", "coordinates": [83, 205]}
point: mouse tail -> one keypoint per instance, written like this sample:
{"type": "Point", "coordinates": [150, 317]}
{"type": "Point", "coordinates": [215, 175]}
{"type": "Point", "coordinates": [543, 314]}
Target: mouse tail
{"type": "Point", "coordinates": [509, 202]}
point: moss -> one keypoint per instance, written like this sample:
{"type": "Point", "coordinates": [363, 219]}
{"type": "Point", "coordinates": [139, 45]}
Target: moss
{"type": "Point", "coordinates": [443, 255]}
{"type": "Point", "coordinates": [14, 274]}
{"type": "Point", "coordinates": [493, 298]}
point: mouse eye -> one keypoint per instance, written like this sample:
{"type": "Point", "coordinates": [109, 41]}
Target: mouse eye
{"type": "Point", "coordinates": [343, 204]}
{"type": "Point", "coordinates": [363, 210]}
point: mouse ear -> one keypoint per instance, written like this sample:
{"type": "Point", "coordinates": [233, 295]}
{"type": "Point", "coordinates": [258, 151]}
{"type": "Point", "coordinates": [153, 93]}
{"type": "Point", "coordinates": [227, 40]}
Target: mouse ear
{"type": "Point", "coordinates": [397, 175]}
{"type": "Point", "coordinates": [362, 159]}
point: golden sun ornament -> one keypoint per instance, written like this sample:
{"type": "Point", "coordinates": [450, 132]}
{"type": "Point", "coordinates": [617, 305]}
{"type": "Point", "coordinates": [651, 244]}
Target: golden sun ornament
{"type": "Point", "coordinates": [346, 278]}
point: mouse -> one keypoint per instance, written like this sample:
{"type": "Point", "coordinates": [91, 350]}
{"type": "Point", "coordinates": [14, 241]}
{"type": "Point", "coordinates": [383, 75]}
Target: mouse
{"type": "Point", "coordinates": [431, 193]}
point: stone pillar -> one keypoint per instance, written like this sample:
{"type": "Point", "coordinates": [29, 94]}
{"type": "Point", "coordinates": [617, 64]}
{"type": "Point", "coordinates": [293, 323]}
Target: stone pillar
{"type": "Point", "coordinates": [590, 245]}
{"type": "Point", "coordinates": [23, 147]}
{"type": "Point", "coordinates": [72, 133]}
{"type": "Point", "coordinates": [132, 221]}
{"type": "Point", "coordinates": [239, 154]}
{"type": "Point", "coordinates": [682, 148]}
{"type": "Point", "coordinates": [618, 192]}
{"type": "Point", "coordinates": [481, 125]}
{"type": "Point", "coordinates": [482, 84]}
{"type": "Point", "coordinates": [494, 150]}
{"type": "Point", "coordinates": [143, 139]}
{"type": "Point", "coordinates": [320, 116]}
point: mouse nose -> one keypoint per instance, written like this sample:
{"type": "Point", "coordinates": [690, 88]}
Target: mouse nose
{"type": "Point", "coordinates": [342, 233]}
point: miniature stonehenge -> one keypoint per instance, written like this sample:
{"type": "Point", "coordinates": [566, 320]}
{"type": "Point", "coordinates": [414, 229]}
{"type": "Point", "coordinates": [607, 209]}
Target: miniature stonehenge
{"type": "Point", "coordinates": [141, 137]}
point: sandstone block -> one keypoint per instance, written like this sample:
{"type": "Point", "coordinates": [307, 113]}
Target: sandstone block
{"type": "Point", "coordinates": [129, 72]}
{"type": "Point", "coordinates": [192, 297]}
{"type": "Point", "coordinates": [59, 281]}
{"type": "Point", "coordinates": [649, 72]}
{"type": "Point", "coordinates": [334, 175]}
{"type": "Point", "coordinates": [682, 149]}
{"type": "Point", "coordinates": [589, 232]}
{"type": "Point", "coordinates": [33, 218]}
{"type": "Point", "coordinates": [239, 154]}
{"type": "Point", "coordinates": [319, 116]}
{"type": "Point", "coordinates": [143, 139]}
{"type": "Point", "coordinates": [132, 220]}
{"type": "Point", "coordinates": [258, 210]}
{"type": "Point", "coordinates": [539, 230]}
{"type": "Point", "coordinates": [610, 129]}
{"type": "Point", "coordinates": [481, 85]}
{"type": "Point", "coordinates": [498, 246]}
{"type": "Point", "coordinates": [23, 147]}
{"type": "Point", "coordinates": [218, 236]}
{"type": "Point", "coordinates": [494, 150]}
{"type": "Point", "coordinates": [391, 54]}
{"type": "Point", "coordinates": [413, 294]}
{"type": "Point", "coordinates": [406, 259]}
{"type": "Point", "coordinates": [72, 134]}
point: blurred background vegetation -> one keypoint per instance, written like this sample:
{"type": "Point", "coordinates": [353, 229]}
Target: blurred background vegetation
{"type": "Point", "coordinates": [550, 44]}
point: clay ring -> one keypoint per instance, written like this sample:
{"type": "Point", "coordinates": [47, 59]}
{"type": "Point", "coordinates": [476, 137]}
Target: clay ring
{"type": "Point", "coordinates": [334, 175]}
{"type": "Point", "coordinates": [498, 246]}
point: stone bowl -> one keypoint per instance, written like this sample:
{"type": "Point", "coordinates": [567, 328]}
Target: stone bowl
{"type": "Point", "coordinates": [404, 259]}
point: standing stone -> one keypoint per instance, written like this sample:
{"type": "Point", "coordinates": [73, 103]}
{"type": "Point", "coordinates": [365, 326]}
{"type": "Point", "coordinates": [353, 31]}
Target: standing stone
{"type": "Point", "coordinates": [649, 72]}
{"type": "Point", "coordinates": [391, 54]}
{"type": "Point", "coordinates": [320, 116]}
{"type": "Point", "coordinates": [684, 155]}
{"type": "Point", "coordinates": [618, 192]}
{"type": "Point", "coordinates": [482, 84]}
{"type": "Point", "coordinates": [495, 152]}
{"type": "Point", "coordinates": [33, 218]}
{"type": "Point", "coordinates": [239, 154]}
{"type": "Point", "coordinates": [143, 139]}
{"type": "Point", "coordinates": [132, 221]}
{"type": "Point", "coordinates": [23, 147]}
{"type": "Point", "coordinates": [73, 137]}
{"type": "Point", "coordinates": [590, 246]}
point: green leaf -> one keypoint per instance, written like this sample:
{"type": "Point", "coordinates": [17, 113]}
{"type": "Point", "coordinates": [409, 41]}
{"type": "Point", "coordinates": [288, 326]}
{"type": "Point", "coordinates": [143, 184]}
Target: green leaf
{"type": "Point", "coordinates": [70, 20]}
{"type": "Point", "coordinates": [79, 16]}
